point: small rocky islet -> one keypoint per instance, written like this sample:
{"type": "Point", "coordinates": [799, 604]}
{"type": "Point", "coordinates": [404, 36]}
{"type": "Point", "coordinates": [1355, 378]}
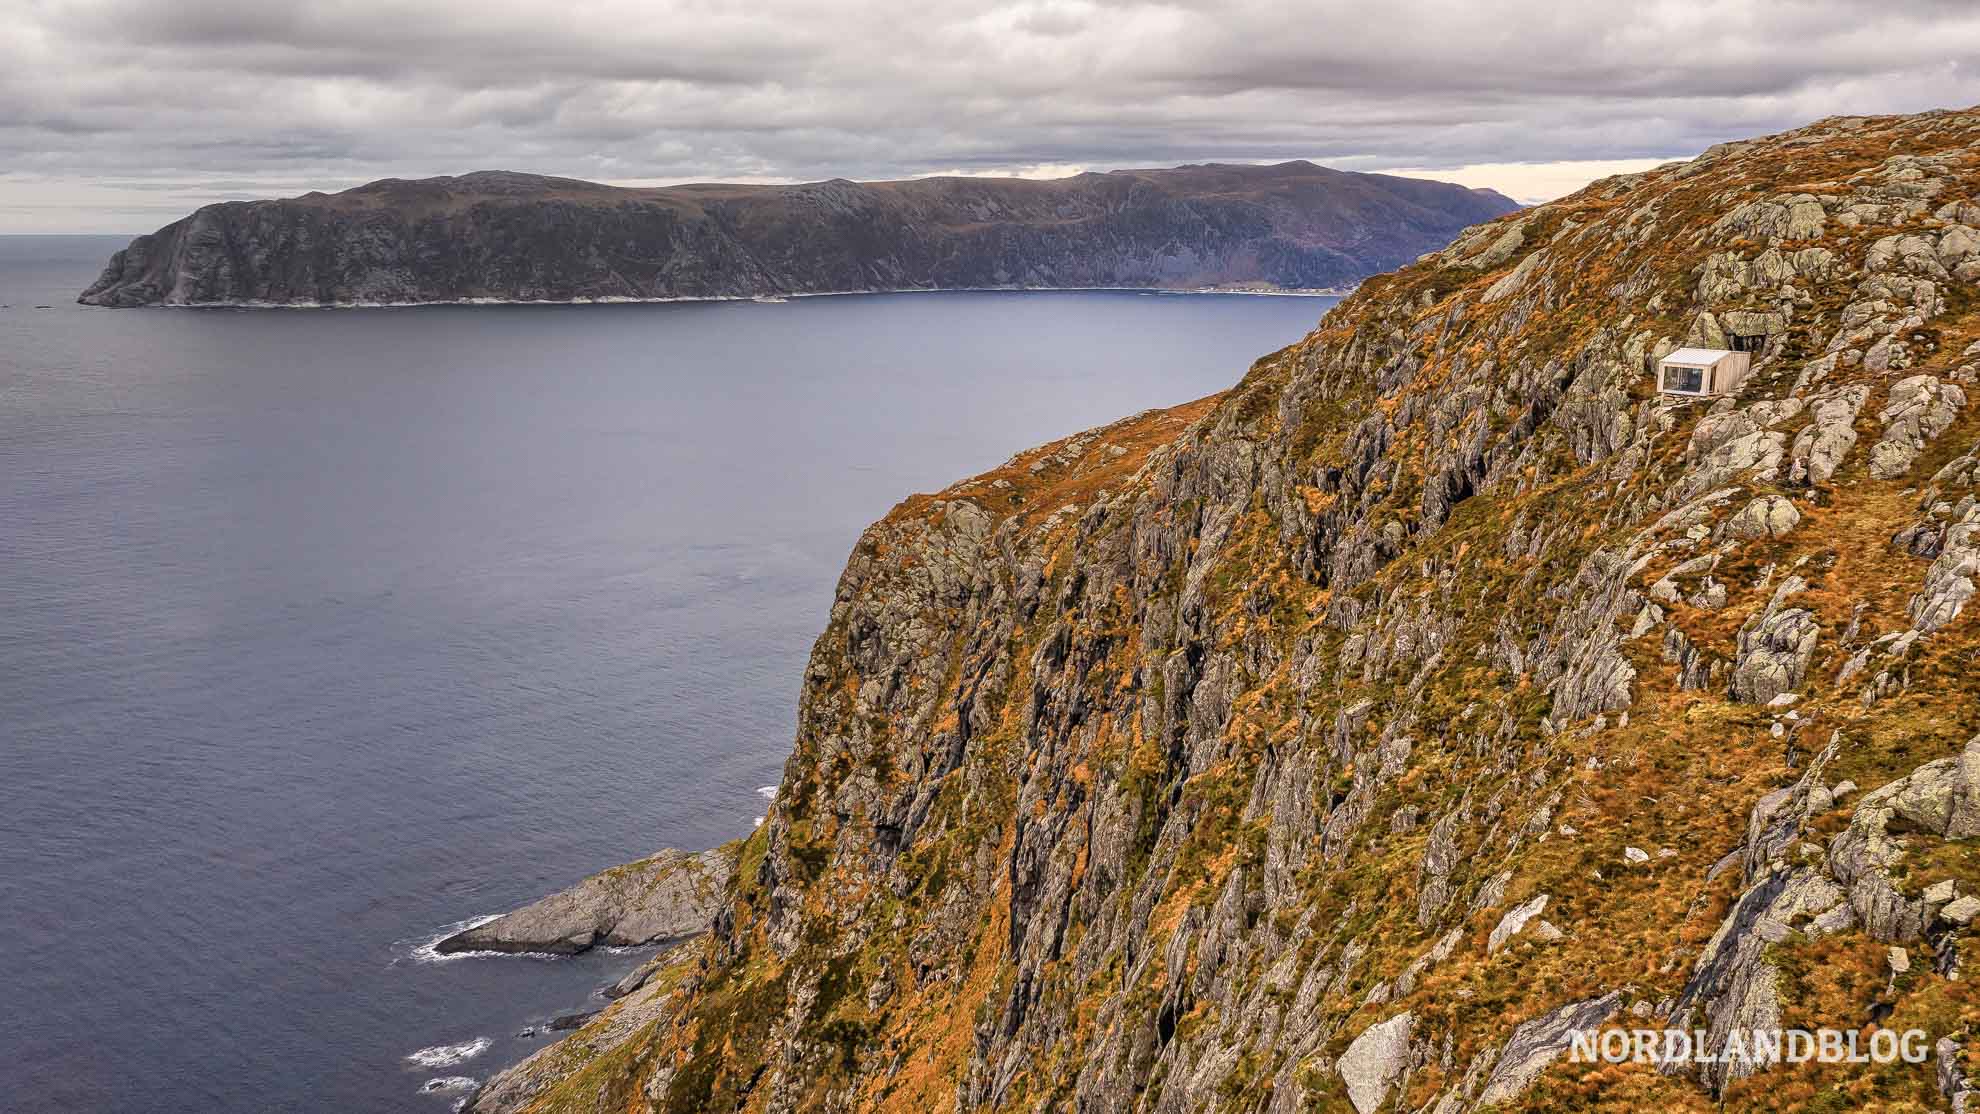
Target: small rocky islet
{"type": "Point", "coordinates": [664, 898]}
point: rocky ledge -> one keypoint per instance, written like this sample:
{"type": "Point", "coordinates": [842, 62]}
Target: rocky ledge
{"type": "Point", "coordinates": [501, 236]}
{"type": "Point", "coordinates": [669, 896]}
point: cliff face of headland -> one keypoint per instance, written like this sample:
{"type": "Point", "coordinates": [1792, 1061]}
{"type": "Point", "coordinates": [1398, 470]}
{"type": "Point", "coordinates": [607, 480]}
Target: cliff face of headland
{"type": "Point", "coordinates": [519, 237]}
{"type": "Point", "coordinates": [1353, 738]}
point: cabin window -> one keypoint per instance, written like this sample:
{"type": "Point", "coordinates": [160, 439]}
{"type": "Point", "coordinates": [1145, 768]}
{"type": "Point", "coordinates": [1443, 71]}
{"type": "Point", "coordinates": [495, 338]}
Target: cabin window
{"type": "Point", "coordinates": [1748, 342]}
{"type": "Point", "coordinates": [1690, 380]}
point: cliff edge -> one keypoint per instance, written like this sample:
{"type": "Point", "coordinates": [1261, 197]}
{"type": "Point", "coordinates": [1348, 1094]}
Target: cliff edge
{"type": "Point", "coordinates": [1354, 739]}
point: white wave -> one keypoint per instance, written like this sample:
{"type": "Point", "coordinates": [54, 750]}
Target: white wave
{"type": "Point", "coordinates": [424, 953]}
{"type": "Point", "coordinates": [448, 1083]}
{"type": "Point", "coordinates": [447, 1055]}
{"type": "Point", "coordinates": [756, 823]}
{"type": "Point", "coordinates": [767, 792]}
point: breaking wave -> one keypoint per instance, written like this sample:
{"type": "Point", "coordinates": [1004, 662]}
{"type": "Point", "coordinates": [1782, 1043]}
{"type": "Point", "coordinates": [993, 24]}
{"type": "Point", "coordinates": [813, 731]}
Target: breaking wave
{"type": "Point", "coordinates": [424, 952]}
{"type": "Point", "coordinates": [447, 1055]}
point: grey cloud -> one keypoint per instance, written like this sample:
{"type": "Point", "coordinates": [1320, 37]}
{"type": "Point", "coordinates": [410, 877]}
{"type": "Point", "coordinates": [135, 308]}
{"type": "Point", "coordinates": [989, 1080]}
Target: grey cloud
{"type": "Point", "coordinates": [200, 99]}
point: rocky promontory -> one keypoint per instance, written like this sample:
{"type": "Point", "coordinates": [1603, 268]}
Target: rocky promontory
{"type": "Point", "coordinates": [667, 896]}
{"type": "Point", "coordinates": [509, 237]}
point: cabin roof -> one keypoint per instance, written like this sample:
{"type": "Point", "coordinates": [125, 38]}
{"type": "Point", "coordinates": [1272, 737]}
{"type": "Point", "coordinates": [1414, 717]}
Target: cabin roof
{"type": "Point", "coordinates": [1700, 357]}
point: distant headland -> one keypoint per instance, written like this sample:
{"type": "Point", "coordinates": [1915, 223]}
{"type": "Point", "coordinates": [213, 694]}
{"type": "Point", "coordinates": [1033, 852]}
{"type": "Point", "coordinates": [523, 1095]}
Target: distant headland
{"type": "Point", "coordinates": [499, 236]}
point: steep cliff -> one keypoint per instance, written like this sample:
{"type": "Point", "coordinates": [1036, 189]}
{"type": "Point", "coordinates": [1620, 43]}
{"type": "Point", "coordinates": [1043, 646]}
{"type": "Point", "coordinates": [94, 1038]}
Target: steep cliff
{"type": "Point", "coordinates": [1352, 739]}
{"type": "Point", "coordinates": [519, 237]}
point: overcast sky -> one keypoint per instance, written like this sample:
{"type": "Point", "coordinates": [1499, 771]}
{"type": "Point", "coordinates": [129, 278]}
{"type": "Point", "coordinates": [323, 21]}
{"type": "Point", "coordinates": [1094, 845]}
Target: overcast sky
{"type": "Point", "coordinates": [121, 115]}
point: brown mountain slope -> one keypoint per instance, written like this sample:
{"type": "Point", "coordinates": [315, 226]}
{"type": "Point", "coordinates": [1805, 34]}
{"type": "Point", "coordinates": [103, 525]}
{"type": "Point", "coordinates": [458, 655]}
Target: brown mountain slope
{"type": "Point", "coordinates": [1351, 739]}
{"type": "Point", "coordinates": [520, 237]}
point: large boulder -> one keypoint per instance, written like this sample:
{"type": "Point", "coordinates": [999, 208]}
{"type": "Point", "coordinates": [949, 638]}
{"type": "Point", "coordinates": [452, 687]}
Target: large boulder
{"type": "Point", "coordinates": [1824, 444]}
{"type": "Point", "coordinates": [1920, 408]}
{"type": "Point", "coordinates": [1775, 648]}
{"type": "Point", "coordinates": [1375, 1061]}
{"type": "Point", "coordinates": [664, 897]}
{"type": "Point", "coordinates": [1769, 516]}
{"type": "Point", "coordinates": [1515, 920]}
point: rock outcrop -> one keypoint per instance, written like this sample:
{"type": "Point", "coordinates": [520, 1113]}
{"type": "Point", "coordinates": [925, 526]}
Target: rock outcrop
{"type": "Point", "coordinates": [519, 237]}
{"type": "Point", "coordinates": [586, 1055]}
{"type": "Point", "coordinates": [1375, 1061]}
{"type": "Point", "coordinates": [664, 897]}
{"type": "Point", "coordinates": [1228, 757]}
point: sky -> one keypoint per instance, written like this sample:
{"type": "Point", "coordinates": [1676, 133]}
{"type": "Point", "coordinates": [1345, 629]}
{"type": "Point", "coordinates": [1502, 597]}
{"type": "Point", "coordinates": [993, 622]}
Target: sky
{"type": "Point", "coordinates": [121, 115]}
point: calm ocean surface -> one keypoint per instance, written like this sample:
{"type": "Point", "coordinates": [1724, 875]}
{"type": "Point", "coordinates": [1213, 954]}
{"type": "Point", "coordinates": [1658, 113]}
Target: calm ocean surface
{"type": "Point", "coordinates": [321, 631]}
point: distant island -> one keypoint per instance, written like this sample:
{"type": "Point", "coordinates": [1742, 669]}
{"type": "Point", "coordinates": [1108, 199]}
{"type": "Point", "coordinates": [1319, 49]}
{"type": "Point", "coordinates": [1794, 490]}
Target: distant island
{"type": "Point", "coordinates": [501, 236]}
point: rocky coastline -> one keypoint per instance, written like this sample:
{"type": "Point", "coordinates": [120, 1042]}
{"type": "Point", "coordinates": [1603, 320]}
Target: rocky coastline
{"type": "Point", "coordinates": [662, 901]}
{"type": "Point", "coordinates": [666, 897]}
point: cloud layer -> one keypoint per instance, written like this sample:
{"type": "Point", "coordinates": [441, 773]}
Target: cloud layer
{"type": "Point", "coordinates": [118, 115]}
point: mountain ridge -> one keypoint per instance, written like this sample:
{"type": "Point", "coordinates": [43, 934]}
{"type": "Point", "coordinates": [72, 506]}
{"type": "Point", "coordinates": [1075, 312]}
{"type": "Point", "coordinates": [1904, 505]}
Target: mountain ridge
{"type": "Point", "coordinates": [509, 236]}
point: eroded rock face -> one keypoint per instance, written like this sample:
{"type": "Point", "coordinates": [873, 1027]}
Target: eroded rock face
{"type": "Point", "coordinates": [1169, 767]}
{"type": "Point", "coordinates": [1735, 984]}
{"type": "Point", "coordinates": [1824, 444]}
{"type": "Point", "coordinates": [1769, 516]}
{"type": "Point", "coordinates": [1539, 1042]}
{"type": "Point", "coordinates": [1375, 1061]}
{"type": "Point", "coordinates": [1949, 583]}
{"type": "Point", "coordinates": [1515, 919]}
{"type": "Point", "coordinates": [1920, 409]}
{"type": "Point", "coordinates": [669, 896]}
{"type": "Point", "coordinates": [1775, 648]}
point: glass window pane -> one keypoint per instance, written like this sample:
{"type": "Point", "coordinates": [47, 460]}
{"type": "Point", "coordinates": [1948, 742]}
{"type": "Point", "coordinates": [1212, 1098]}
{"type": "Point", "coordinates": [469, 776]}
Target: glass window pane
{"type": "Point", "coordinates": [1688, 379]}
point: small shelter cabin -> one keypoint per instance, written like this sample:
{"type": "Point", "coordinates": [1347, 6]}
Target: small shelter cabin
{"type": "Point", "coordinates": [1702, 371]}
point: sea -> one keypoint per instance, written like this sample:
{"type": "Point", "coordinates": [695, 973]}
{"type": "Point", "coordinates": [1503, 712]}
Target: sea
{"type": "Point", "coordinates": [323, 632]}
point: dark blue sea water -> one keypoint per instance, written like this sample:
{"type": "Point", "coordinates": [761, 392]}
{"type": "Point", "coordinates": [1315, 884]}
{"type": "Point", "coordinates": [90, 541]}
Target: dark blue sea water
{"type": "Point", "coordinates": [322, 630]}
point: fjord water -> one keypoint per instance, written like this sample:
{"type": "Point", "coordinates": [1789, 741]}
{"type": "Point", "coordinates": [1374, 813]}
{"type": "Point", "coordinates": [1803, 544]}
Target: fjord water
{"type": "Point", "coordinates": [322, 630]}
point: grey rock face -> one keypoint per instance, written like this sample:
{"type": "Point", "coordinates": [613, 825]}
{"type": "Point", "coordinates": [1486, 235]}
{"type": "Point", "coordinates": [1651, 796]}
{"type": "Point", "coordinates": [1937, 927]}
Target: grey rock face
{"type": "Point", "coordinates": [1734, 985]}
{"type": "Point", "coordinates": [1920, 408]}
{"type": "Point", "coordinates": [1788, 217]}
{"type": "Point", "coordinates": [1950, 582]}
{"type": "Point", "coordinates": [1954, 1084]}
{"type": "Point", "coordinates": [669, 896]}
{"type": "Point", "coordinates": [1822, 447]}
{"type": "Point", "coordinates": [1375, 1061]}
{"type": "Point", "coordinates": [1775, 648]}
{"type": "Point", "coordinates": [519, 237]}
{"type": "Point", "coordinates": [1725, 447]}
{"type": "Point", "coordinates": [1769, 516]}
{"type": "Point", "coordinates": [1540, 1041]}
{"type": "Point", "coordinates": [1045, 707]}
{"type": "Point", "coordinates": [1515, 919]}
